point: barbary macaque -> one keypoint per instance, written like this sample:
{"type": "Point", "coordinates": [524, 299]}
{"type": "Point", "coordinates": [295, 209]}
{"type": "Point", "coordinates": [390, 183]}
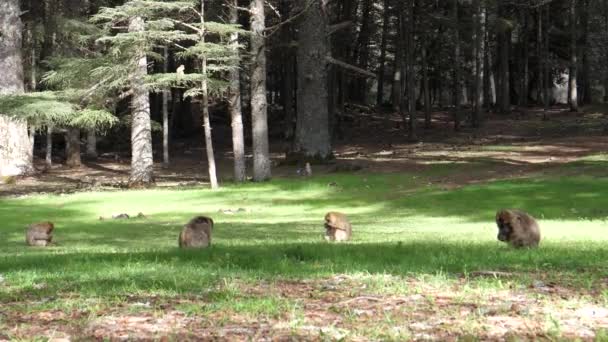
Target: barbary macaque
{"type": "Point", "coordinates": [337, 227]}
{"type": "Point", "coordinates": [517, 228]}
{"type": "Point", "coordinates": [197, 233]}
{"type": "Point", "coordinates": [39, 234]}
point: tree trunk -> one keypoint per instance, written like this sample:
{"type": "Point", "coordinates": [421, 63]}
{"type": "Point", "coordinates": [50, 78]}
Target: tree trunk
{"type": "Point", "coordinates": [586, 97]}
{"type": "Point", "coordinates": [478, 56]}
{"type": "Point", "coordinates": [539, 53]}
{"type": "Point", "coordinates": [523, 100]}
{"type": "Point", "coordinates": [49, 146]}
{"type": "Point", "coordinates": [205, 108]}
{"type": "Point", "coordinates": [165, 110]}
{"type": "Point", "coordinates": [142, 162]}
{"type": "Point", "coordinates": [91, 144]}
{"type": "Point", "coordinates": [426, 88]}
{"type": "Point", "coordinates": [573, 91]}
{"type": "Point", "coordinates": [259, 106]}
{"type": "Point", "coordinates": [547, 81]}
{"type": "Point", "coordinates": [362, 51]}
{"type": "Point", "coordinates": [313, 141]}
{"type": "Point", "coordinates": [411, 73]}
{"type": "Point", "coordinates": [505, 98]}
{"type": "Point", "coordinates": [15, 146]}
{"type": "Point", "coordinates": [456, 67]}
{"type": "Point", "coordinates": [234, 103]}
{"type": "Point", "coordinates": [72, 148]}
{"type": "Point", "coordinates": [382, 61]}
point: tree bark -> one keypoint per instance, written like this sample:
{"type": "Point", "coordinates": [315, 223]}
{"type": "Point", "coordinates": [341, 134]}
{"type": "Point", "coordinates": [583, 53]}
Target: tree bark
{"type": "Point", "coordinates": [205, 109]}
{"type": "Point", "coordinates": [313, 141]}
{"type": "Point", "coordinates": [16, 156]}
{"type": "Point", "coordinates": [72, 148]}
{"type": "Point", "coordinates": [259, 106]}
{"type": "Point", "coordinates": [383, 44]}
{"type": "Point", "coordinates": [142, 162]}
{"type": "Point", "coordinates": [234, 103]}
{"type": "Point", "coordinates": [573, 91]}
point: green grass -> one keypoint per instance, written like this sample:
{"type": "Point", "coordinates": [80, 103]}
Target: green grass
{"type": "Point", "coordinates": [403, 228]}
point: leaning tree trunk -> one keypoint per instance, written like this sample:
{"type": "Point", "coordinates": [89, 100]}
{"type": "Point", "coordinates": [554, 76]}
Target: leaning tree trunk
{"type": "Point", "coordinates": [142, 162]}
{"type": "Point", "coordinates": [72, 148]}
{"type": "Point", "coordinates": [234, 102]}
{"type": "Point", "coordinates": [573, 91]}
{"type": "Point", "coordinates": [259, 106]}
{"type": "Point", "coordinates": [15, 146]}
{"type": "Point", "coordinates": [313, 140]}
{"type": "Point", "coordinates": [205, 108]}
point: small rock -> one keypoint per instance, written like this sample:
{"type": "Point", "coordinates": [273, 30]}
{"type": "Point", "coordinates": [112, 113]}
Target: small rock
{"type": "Point", "coordinates": [120, 216]}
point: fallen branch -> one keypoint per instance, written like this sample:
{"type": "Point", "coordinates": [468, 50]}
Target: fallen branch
{"type": "Point", "coordinates": [495, 274]}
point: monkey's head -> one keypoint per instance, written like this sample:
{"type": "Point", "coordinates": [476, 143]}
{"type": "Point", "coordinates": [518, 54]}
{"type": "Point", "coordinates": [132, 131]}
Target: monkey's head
{"type": "Point", "coordinates": [202, 220]}
{"type": "Point", "coordinates": [504, 221]}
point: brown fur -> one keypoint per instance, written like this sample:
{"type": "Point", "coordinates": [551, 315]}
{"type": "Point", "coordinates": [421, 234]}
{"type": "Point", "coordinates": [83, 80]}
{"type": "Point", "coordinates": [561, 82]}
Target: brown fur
{"type": "Point", "coordinates": [517, 228]}
{"type": "Point", "coordinates": [39, 234]}
{"type": "Point", "coordinates": [197, 233]}
{"type": "Point", "coordinates": [337, 227]}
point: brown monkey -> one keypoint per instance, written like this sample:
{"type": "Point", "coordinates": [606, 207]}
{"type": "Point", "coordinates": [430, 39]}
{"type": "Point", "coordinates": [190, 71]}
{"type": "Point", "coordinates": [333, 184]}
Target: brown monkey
{"type": "Point", "coordinates": [39, 234]}
{"type": "Point", "coordinates": [517, 228]}
{"type": "Point", "coordinates": [337, 227]}
{"type": "Point", "coordinates": [197, 233]}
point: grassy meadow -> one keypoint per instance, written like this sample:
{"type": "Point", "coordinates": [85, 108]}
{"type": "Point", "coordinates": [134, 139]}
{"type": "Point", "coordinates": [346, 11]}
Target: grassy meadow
{"type": "Point", "coordinates": [415, 243]}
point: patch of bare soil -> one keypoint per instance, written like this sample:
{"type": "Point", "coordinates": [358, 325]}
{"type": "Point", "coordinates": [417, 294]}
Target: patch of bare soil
{"type": "Point", "coordinates": [337, 308]}
{"type": "Point", "coordinates": [505, 147]}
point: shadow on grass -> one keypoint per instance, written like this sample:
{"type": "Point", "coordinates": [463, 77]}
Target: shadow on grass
{"type": "Point", "coordinates": [177, 271]}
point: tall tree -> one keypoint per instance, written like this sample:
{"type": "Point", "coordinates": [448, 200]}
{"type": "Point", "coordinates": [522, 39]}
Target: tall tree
{"type": "Point", "coordinates": [15, 145]}
{"type": "Point", "coordinates": [456, 90]}
{"type": "Point", "coordinates": [383, 45]}
{"type": "Point", "coordinates": [478, 61]}
{"type": "Point", "coordinates": [573, 87]}
{"type": "Point", "coordinates": [259, 106]}
{"type": "Point", "coordinates": [205, 105]}
{"type": "Point", "coordinates": [142, 163]}
{"type": "Point", "coordinates": [312, 132]}
{"type": "Point", "coordinates": [234, 102]}
{"type": "Point", "coordinates": [411, 71]}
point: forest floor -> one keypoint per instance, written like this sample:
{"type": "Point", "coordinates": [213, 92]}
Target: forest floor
{"type": "Point", "coordinates": [424, 262]}
{"type": "Point", "coordinates": [504, 147]}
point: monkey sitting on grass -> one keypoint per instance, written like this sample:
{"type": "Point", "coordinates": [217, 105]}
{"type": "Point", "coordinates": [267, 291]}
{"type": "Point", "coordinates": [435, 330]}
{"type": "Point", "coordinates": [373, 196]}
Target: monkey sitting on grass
{"type": "Point", "coordinates": [517, 228]}
{"type": "Point", "coordinates": [197, 233]}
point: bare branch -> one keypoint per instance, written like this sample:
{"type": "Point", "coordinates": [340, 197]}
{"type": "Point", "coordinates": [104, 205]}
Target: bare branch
{"type": "Point", "coordinates": [339, 26]}
{"type": "Point", "coordinates": [350, 67]}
